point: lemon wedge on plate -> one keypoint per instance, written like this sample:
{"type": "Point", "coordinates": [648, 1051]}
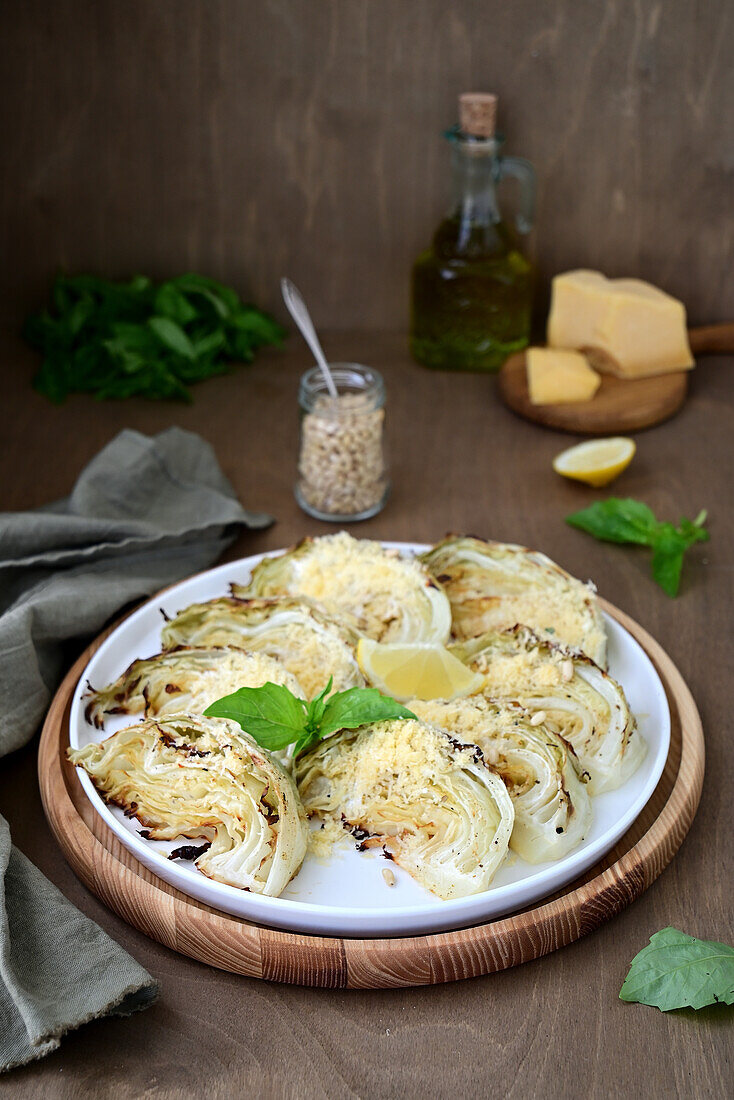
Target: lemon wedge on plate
{"type": "Point", "coordinates": [422, 671]}
{"type": "Point", "coordinates": [597, 462]}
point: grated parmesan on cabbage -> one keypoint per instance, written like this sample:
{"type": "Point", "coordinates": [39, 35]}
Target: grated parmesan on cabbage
{"type": "Point", "coordinates": [204, 779]}
{"type": "Point", "coordinates": [578, 699]}
{"type": "Point", "coordinates": [552, 807]}
{"type": "Point", "coordinates": [389, 598]}
{"type": "Point", "coordinates": [185, 680]}
{"type": "Point", "coordinates": [495, 585]}
{"type": "Point", "coordinates": [434, 805]}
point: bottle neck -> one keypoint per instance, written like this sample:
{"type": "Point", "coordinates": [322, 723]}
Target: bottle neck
{"type": "Point", "coordinates": [474, 172]}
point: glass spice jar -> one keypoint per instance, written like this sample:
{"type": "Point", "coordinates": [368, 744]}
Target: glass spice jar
{"type": "Point", "coordinates": [342, 472]}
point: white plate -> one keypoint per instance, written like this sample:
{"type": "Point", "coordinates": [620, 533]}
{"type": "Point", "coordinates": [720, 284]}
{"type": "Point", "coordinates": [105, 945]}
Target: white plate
{"type": "Point", "coordinates": [347, 895]}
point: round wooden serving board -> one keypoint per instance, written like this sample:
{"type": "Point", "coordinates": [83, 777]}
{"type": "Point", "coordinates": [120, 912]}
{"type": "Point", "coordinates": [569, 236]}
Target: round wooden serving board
{"type": "Point", "coordinates": [227, 942]}
{"type": "Point", "coordinates": [620, 404]}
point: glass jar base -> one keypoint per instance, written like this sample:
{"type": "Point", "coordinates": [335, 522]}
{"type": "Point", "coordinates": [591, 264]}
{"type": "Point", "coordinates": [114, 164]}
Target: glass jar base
{"type": "Point", "coordinates": [445, 355]}
{"type": "Point", "coordinates": [341, 517]}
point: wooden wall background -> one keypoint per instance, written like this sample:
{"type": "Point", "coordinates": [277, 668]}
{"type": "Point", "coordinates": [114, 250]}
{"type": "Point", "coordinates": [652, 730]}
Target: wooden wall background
{"type": "Point", "coordinates": [248, 139]}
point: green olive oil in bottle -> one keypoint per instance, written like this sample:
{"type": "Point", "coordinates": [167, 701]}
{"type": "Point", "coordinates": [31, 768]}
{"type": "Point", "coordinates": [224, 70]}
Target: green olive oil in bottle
{"type": "Point", "coordinates": [473, 287]}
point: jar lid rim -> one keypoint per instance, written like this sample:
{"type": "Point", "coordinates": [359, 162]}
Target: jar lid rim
{"type": "Point", "coordinates": [349, 378]}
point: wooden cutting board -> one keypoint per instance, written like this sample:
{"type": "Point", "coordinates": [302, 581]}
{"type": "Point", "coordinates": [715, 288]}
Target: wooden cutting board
{"type": "Point", "coordinates": [187, 926]}
{"type": "Point", "coordinates": [619, 405]}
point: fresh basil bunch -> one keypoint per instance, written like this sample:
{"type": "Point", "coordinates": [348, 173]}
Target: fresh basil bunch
{"type": "Point", "coordinates": [119, 339]}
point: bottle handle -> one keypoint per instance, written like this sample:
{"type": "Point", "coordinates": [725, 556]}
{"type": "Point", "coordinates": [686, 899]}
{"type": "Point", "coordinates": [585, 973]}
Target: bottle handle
{"type": "Point", "coordinates": [522, 170]}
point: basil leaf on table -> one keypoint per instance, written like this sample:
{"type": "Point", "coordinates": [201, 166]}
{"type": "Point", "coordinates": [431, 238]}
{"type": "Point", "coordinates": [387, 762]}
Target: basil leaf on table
{"type": "Point", "coordinates": [616, 520]}
{"type": "Point", "coordinates": [667, 559]}
{"type": "Point", "coordinates": [224, 300]}
{"type": "Point", "coordinates": [679, 971]}
{"type": "Point", "coordinates": [631, 521]}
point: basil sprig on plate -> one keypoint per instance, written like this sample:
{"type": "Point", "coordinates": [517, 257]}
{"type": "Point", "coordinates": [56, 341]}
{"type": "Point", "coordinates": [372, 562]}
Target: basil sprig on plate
{"type": "Point", "coordinates": [276, 717]}
{"type": "Point", "coordinates": [631, 521]}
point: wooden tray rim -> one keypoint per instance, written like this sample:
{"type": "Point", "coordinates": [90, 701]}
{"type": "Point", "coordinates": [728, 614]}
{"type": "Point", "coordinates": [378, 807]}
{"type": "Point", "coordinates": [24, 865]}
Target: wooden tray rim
{"type": "Point", "coordinates": [231, 943]}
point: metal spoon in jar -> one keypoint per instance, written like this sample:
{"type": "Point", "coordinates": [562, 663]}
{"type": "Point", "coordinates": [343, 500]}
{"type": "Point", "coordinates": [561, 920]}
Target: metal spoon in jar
{"type": "Point", "coordinates": [298, 311]}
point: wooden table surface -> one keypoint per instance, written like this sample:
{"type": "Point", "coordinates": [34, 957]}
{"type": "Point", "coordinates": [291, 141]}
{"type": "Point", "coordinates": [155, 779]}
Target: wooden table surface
{"type": "Point", "coordinates": [460, 462]}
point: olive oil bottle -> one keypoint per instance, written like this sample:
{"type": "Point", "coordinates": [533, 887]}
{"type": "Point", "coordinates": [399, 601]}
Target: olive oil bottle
{"type": "Point", "coordinates": [473, 287]}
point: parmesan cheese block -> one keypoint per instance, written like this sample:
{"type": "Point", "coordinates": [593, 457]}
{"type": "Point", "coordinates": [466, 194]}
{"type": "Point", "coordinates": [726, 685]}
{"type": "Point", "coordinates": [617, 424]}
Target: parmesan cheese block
{"type": "Point", "coordinates": [628, 327]}
{"type": "Point", "coordinates": [559, 377]}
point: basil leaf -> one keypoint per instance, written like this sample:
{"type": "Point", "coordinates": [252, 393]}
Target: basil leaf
{"type": "Point", "coordinates": [667, 564]}
{"type": "Point", "coordinates": [172, 336]}
{"type": "Point", "coordinates": [276, 718]}
{"type": "Point", "coordinates": [357, 707]}
{"type": "Point", "coordinates": [306, 741]}
{"type": "Point", "coordinates": [631, 521]}
{"type": "Point", "coordinates": [79, 314]}
{"type": "Point", "coordinates": [135, 336]}
{"type": "Point", "coordinates": [223, 298]}
{"type": "Point", "coordinates": [679, 971]}
{"type": "Point", "coordinates": [170, 302]}
{"type": "Point", "coordinates": [260, 328]}
{"type": "Point", "coordinates": [317, 707]}
{"type": "Point", "coordinates": [271, 714]}
{"type": "Point", "coordinates": [239, 346]}
{"type": "Point", "coordinates": [211, 342]}
{"type": "Point", "coordinates": [694, 532]}
{"type": "Point", "coordinates": [617, 520]}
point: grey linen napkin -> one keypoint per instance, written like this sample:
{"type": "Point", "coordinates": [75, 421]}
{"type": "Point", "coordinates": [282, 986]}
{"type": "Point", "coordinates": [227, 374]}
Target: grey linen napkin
{"type": "Point", "coordinates": [144, 513]}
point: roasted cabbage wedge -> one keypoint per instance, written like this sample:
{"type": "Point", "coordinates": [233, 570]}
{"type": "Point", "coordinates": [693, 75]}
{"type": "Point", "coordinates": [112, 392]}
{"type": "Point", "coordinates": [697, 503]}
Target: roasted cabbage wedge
{"type": "Point", "coordinates": [185, 680]}
{"type": "Point", "coordinates": [390, 598]}
{"type": "Point", "coordinates": [430, 801]}
{"type": "Point", "coordinates": [308, 642]}
{"type": "Point", "coordinates": [579, 700]}
{"type": "Point", "coordinates": [204, 779]}
{"type": "Point", "coordinates": [552, 807]}
{"type": "Point", "coordinates": [495, 585]}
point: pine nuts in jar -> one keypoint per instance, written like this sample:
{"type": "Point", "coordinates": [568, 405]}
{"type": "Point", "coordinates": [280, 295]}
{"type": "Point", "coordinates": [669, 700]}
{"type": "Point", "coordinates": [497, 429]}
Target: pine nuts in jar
{"type": "Point", "coordinates": [342, 472]}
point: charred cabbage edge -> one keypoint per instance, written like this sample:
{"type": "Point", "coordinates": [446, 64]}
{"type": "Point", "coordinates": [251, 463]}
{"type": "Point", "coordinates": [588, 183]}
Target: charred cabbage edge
{"type": "Point", "coordinates": [552, 807]}
{"type": "Point", "coordinates": [590, 710]}
{"type": "Point", "coordinates": [296, 631]}
{"type": "Point", "coordinates": [185, 680]}
{"type": "Point", "coordinates": [388, 597]}
{"type": "Point", "coordinates": [495, 585]}
{"type": "Point", "coordinates": [439, 811]}
{"type": "Point", "coordinates": [204, 779]}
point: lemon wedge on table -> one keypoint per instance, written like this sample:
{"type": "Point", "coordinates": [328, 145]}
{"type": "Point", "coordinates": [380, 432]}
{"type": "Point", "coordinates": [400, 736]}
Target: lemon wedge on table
{"type": "Point", "coordinates": [423, 671]}
{"type": "Point", "coordinates": [597, 462]}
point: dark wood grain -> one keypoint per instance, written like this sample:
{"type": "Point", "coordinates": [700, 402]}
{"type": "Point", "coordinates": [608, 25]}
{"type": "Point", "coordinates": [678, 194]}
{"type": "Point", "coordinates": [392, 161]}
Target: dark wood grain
{"type": "Point", "coordinates": [251, 139]}
{"type": "Point", "coordinates": [460, 461]}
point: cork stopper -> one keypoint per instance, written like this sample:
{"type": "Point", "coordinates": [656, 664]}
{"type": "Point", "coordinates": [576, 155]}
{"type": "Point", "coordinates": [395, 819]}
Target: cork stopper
{"type": "Point", "coordinates": [478, 114]}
